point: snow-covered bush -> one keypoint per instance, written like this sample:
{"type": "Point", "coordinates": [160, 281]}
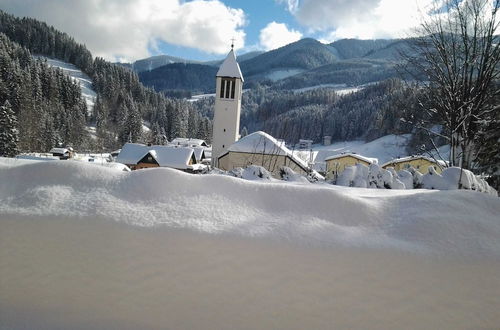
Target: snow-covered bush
{"type": "Point", "coordinates": [417, 178]}
{"type": "Point", "coordinates": [287, 174]}
{"type": "Point", "coordinates": [455, 178]}
{"type": "Point", "coordinates": [406, 178]}
{"type": "Point", "coordinates": [395, 183]}
{"type": "Point", "coordinates": [314, 176]}
{"type": "Point", "coordinates": [252, 172]}
{"type": "Point", "coordinates": [354, 176]}
{"type": "Point", "coordinates": [382, 178]}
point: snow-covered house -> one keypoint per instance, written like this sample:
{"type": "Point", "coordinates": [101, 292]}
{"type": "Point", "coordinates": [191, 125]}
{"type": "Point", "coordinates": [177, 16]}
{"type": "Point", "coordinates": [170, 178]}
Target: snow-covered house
{"type": "Point", "coordinates": [200, 155]}
{"type": "Point", "coordinates": [137, 156]}
{"type": "Point", "coordinates": [260, 148]}
{"type": "Point", "coordinates": [418, 162]}
{"type": "Point", "coordinates": [336, 164]}
{"type": "Point", "coordinates": [62, 153]}
{"type": "Point", "coordinates": [188, 142]}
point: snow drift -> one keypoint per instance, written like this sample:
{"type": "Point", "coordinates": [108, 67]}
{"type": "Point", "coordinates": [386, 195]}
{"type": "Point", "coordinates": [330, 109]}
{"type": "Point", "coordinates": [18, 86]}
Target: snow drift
{"type": "Point", "coordinates": [90, 247]}
{"type": "Point", "coordinates": [453, 221]}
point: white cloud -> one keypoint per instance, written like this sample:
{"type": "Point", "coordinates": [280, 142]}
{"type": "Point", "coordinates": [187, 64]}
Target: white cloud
{"type": "Point", "coordinates": [275, 35]}
{"type": "Point", "coordinates": [292, 5]}
{"type": "Point", "coordinates": [364, 19]}
{"type": "Point", "coordinates": [127, 29]}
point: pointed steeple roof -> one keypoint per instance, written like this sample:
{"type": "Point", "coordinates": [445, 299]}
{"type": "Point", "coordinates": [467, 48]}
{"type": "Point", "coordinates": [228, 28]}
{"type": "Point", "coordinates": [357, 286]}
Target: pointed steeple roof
{"type": "Point", "coordinates": [230, 68]}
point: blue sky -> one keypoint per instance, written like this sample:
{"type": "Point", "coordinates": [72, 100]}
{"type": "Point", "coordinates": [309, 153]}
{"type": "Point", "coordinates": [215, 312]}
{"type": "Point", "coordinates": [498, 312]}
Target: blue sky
{"type": "Point", "coordinates": [128, 30]}
{"type": "Point", "coordinates": [259, 13]}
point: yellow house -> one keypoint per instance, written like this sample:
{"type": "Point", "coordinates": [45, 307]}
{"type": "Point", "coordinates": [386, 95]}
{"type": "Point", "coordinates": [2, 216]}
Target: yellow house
{"type": "Point", "coordinates": [260, 148]}
{"type": "Point", "coordinates": [418, 162]}
{"type": "Point", "coordinates": [336, 164]}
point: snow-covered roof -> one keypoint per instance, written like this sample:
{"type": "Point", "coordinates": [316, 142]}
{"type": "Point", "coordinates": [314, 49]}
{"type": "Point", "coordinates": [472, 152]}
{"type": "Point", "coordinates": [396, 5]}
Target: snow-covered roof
{"type": "Point", "coordinates": [189, 142]}
{"type": "Point", "coordinates": [351, 154]}
{"type": "Point", "coordinates": [199, 153]}
{"type": "Point", "coordinates": [230, 67]}
{"type": "Point", "coordinates": [59, 151]}
{"type": "Point", "coordinates": [410, 158]}
{"type": "Point", "coordinates": [172, 157]}
{"type": "Point", "coordinates": [165, 156]}
{"type": "Point", "coordinates": [306, 155]}
{"type": "Point", "coordinates": [37, 157]}
{"type": "Point", "coordinates": [131, 153]}
{"type": "Point", "coordinates": [262, 143]}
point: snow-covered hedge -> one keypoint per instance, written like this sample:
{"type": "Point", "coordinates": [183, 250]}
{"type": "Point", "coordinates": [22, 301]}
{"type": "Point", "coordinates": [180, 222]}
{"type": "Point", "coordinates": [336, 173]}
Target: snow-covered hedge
{"type": "Point", "coordinates": [255, 172]}
{"type": "Point", "coordinates": [376, 177]}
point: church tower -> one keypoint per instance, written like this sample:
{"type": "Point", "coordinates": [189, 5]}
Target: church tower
{"type": "Point", "coordinates": [226, 125]}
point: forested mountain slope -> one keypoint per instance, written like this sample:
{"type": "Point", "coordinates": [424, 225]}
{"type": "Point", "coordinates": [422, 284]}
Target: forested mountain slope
{"type": "Point", "coordinates": [303, 54]}
{"type": "Point", "coordinates": [355, 48]}
{"type": "Point", "coordinates": [197, 78]}
{"type": "Point", "coordinates": [122, 101]}
{"type": "Point", "coordinates": [370, 113]}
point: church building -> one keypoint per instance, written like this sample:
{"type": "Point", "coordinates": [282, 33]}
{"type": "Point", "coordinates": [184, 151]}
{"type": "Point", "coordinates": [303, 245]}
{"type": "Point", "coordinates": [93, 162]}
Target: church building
{"type": "Point", "coordinates": [226, 125]}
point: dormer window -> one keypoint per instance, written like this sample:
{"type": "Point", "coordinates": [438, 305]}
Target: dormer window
{"type": "Point", "coordinates": [227, 88]}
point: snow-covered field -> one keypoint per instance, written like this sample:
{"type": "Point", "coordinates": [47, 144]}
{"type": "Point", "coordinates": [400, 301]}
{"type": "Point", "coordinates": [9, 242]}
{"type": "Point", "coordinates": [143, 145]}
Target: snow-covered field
{"type": "Point", "coordinates": [340, 89]}
{"type": "Point", "coordinates": [276, 75]}
{"type": "Point", "coordinates": [88, 247]}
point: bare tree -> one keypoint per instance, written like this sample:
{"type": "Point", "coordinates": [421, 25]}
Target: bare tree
{"type": "Point", "coordinates": [457, 54]}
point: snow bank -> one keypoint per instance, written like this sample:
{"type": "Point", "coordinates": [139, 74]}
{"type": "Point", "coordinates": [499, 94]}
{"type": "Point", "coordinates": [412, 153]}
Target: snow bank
{"type": "Point", "coordinates": [455, 221]}
{"type": "Point", "coordinates": [88, 247]}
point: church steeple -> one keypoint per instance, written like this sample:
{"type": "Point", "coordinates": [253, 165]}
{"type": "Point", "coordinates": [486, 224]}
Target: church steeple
{"type": "Point", "coordinates": [230, 67]}
{"type": "Point", "coordinates": [226, 125]}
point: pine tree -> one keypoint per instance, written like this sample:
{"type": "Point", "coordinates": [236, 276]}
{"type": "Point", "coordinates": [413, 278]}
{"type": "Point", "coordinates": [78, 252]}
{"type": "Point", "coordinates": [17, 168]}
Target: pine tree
{"type": "Point", "coordinates": [244, 131]}
{"type": "Point", "coordinates": [8, 131]}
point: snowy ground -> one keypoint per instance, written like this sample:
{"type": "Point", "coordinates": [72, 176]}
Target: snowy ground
{"type": "Point", "coordinates": [87, 247]}
{"type": "Point", "coordinates": [276, 75]}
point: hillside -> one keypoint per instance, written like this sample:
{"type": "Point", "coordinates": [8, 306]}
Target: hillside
{"type": "Point", "coordinates": [303, 54]}
{"type": "Point", "coordinates": [301, 64]}
{"type": "Point", "coordinates": [371, 112]}
{"type": "Point", "coordinates": [122, 102]}
{"type": "Point", "coordinates": [351, 72]}
{"type": "Point", "coordinates": [192, 77]}
{"type": "Point", "coordinates": [154, 62]}
{"type": "Point", "coordinates": [391, 51]}
{"type": "Point", "coordinates": [85, 82]}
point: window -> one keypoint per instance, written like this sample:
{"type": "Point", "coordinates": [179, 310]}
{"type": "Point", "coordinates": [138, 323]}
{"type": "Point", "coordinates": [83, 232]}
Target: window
{"type": "Point", "coordinates": [222, 88]}
{"type": "Point", "coordinates": [224, 129]}
{"type": "Point", "coordinates": [227, 88]}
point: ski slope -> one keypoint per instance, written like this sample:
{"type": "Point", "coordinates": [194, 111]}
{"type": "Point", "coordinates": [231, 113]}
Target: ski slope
{"type": "Point", "coordinates": [77, 75]}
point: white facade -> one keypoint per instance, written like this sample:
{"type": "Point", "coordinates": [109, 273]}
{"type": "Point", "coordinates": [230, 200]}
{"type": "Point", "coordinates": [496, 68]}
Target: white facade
{"type": "Point", "coordinates": [226, 126]}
